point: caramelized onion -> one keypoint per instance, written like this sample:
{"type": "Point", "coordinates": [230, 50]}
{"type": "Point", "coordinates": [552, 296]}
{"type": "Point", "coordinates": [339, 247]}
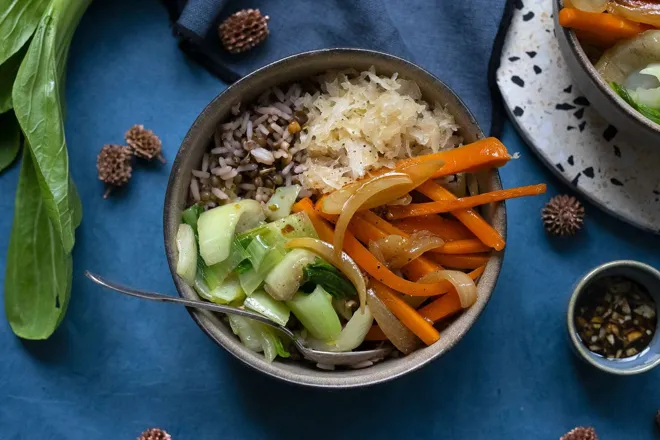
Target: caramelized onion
{"type": "Point", "coordinates": [641, 11]}
{"type": "Point", "coordinates": [418, 173]}
{"type": "Point", "coordinates": [464, 285]}
{"type": "Point", "coordinates": [401, 201]}
{"type": "Point", "coordinates": [369, 189]}
{"type": "Point", "coordinates": [589, 5]}
{"type": "Point", "coordinates": [395, 251]}
{"type": "Point", "coordinates": [403, 339]}
{"type": "Point", "coordinates": [345, 263]}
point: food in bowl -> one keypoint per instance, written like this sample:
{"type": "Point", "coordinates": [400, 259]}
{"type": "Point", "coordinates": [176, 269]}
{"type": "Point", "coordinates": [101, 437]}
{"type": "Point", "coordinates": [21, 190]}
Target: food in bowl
{"type": "Point", "coordinates": [333, 206]}
{"type": "Point", "coordinates": [622, 38]}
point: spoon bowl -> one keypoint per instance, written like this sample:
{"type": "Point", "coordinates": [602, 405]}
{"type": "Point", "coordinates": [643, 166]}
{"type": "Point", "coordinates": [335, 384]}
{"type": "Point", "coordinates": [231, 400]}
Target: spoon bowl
{"type": "Point", "coordinates": [329, 358]}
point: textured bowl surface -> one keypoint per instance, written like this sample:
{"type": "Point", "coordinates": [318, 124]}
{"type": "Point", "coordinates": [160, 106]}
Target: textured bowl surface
{"type": "Point", "coordinates": [645, 275]}
{"type": "Point", "coordinates": [613, 108]}
{"type": "Point", "coordinates": [296, 68]}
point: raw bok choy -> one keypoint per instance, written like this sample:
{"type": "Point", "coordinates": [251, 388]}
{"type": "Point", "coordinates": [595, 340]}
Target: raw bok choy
{"type": "Point", "coordinates": [36, 35]}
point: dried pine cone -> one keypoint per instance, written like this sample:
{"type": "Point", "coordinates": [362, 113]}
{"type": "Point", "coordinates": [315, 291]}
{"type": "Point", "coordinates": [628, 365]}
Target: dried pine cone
{"type": "Point", "coordinates": [155, 434]}
{"type": "Point", "coordinates": [581, 433]}
{"type": "Point", "coordinates": [114, 166]}
{"type": "Point", "coordinates": [145, 143]}
{"type": "Point", "coordinates": [243, 30]}
{"type": "Point", "coordinates": [563, 215]}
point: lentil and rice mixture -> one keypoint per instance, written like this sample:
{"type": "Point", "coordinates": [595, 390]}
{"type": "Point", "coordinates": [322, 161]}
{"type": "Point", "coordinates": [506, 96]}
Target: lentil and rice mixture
{"type": "Point", "coordinates": [266, 145]}
{"type": "Point", "coordinates": [252, 154]}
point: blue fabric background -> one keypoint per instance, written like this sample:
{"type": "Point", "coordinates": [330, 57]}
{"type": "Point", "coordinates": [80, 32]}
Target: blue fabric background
{"type": "Point", "coordinates": [117, 365]}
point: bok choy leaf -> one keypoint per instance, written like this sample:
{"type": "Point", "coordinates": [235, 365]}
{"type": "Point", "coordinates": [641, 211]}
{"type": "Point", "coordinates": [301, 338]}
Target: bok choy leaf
{"type": "Point", "coordinates": [10, 139]}
{"type": "Point", "coordinates": [47, 207]}
{"type": "Point", "coordinates": [38, 278]}
{"type": "Point", "coordinates": [38, 107]}
{"type": "Point", "coordinates": [18, 20]}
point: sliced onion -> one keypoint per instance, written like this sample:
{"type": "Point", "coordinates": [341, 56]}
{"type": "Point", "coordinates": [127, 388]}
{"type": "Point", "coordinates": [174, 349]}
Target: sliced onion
{"type": "Point", "coordinates": [590, 5]}
{"type": "Point", "coordinates": [641, 11]}
{"type": "Point", "coordinates": [401, 201]}
{"type": "Point", "coordinates": [403, 339]}
{"type": "Point", "coordinates": [369, 189]}
{"type": "Point", "coordinates": [395, 251]}
{"type": "Point", "coordinates": [629, 56]}
{"type": "Point", "coordinates": [345, 263]}
{"type": "Point", "coordinates": [464, 285]}
{"type": "Point", "coordinates": [418, 173]}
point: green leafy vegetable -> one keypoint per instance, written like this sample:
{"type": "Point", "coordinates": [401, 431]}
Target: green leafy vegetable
{"type": "Point", "coordinates": [10, 139]}
{"type": "Point", "coordinates": [332, 280]}
{"type": "Point", "coordinates": [8, 71]}
{"type": "Point", "coordinates": [191, 215]}
{"type": "Point", "coordinates": [263, 303]}
{"type": "Point", "coordinates": [272, 344]}
{"type": "Point", "coordinates": [316, 314]}
{"type": "Point", "coordinates": [18, 20]}
{"type": "Point", "coordinates": [47, 208]}
{"type": "Point", "coordinates": [651, 113]}
{"type": "Point", "coordinates": [36, 100]}
{"type": "Point", "coordinates": [38, 278]}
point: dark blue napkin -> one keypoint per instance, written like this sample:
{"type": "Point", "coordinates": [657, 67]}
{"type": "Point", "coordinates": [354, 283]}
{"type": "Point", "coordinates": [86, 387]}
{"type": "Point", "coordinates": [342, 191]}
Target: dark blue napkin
{"type": "Point", "coordinates": [452, 39]}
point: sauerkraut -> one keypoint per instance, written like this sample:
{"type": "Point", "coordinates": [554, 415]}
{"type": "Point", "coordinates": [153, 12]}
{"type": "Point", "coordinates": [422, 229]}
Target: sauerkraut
{"type": "Point", "coordinates": [364, 121]}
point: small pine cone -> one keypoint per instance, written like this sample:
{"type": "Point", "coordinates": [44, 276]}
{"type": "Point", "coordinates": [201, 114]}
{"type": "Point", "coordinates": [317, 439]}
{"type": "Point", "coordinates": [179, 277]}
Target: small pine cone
{"type": "Point", "coordinates": [114, 166]}
{"type": "Point", "coordinates": [155, 434]}
{"type": "Point", "coordinates": [145, 143]}
{"type": "Point", "coordinates": [581, 433]}
{"type": "Point", "coordinates": [243, 30]}
{"type": "Point", "coordinates": [657, 418]}
{"type": "Point", "coordinates": [563, 215]}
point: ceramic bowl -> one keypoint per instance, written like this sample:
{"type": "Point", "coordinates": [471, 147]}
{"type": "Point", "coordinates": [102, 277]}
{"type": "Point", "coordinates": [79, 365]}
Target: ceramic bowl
{"type": "Point", "coordinates": [643, 274]}
{"type": "Point", "coordinates": [601, 96]}
{"type": "Point", "coordinates": [295, 68]}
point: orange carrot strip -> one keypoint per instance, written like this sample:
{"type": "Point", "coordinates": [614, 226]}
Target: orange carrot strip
{"type": "Point", "coordinates": [473, 221]}
{"type": "Point", "coordinates": [448, 304]}
{"type": "Point", "coordinates": [483, 154]}
{"type": "Point", "coordinates": [368, 262]}
{"type": "Point", "coordinates": [440, 308]}
{"type": "Point", "coordinates": [605, 27]}
{"type": "Point", "coordinates": [375, 334]}
{"type": "Point", "coordinates": [366, 231]}
{"type": "Point", "coordinates": [457, 247]}
{"type": "Point", "coordinates": [593, 39]}
{"type": "Point", "coordinates": [406, 314]}
{"type": "Point", "coordinates": [468, 261]}
{"type": "Point", "coordinates": [446, 229]}
{"type": "Point", "coordinates": [442, 206]}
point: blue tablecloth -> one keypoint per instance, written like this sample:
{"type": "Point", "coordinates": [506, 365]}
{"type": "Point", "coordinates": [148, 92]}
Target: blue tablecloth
{"type": "Point", "coordinates": [117, 365]}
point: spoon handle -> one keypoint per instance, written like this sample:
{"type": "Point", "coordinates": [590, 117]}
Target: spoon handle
{"type": "Point", "coordinates": [183, 301]}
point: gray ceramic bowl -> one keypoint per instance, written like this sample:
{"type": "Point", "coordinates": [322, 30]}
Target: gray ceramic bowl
{"type": "Point", "coordinates": [601, 96]}
{"type": "Point", "coordinates": [288, 70]}
{"type": "Point", "coordinates": [646, 276]}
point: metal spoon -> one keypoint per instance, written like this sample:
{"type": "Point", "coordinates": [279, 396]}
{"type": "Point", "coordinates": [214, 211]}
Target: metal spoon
{"type": "Point", "coordinates": [321, 357]}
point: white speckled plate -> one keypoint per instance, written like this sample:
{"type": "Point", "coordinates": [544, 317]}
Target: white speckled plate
{"type": "Point", "coordinates": [565, 131]}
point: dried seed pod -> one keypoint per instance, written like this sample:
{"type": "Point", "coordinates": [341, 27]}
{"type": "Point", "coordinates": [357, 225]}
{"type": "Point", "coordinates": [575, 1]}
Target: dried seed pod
{"type": "Point", "coordinates": [563, 215]}
{"type": "Point", "coordinates": [243, 30]}
{"type": "Point", "coordinates": [114, 166]}
{"type": "Point", "coordinates": [145, 143]}
{"type": "Point", "coordinates": [581, 433]}
{"type": "Point", "coordinates": [155, 434]}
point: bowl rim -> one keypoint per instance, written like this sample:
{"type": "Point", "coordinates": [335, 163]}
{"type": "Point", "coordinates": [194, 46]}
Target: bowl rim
{"type": "Point", "coordinates": [318, 379]}
{"type": "Point", "coordinates": [583, 351]}
{"type": "Point", "coordinates": [595, 78]}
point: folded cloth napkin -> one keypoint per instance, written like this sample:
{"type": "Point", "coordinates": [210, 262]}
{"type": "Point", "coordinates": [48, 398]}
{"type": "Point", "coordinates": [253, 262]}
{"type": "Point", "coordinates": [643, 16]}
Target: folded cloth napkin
{"type": "Point", "coordinates": [452, 39]}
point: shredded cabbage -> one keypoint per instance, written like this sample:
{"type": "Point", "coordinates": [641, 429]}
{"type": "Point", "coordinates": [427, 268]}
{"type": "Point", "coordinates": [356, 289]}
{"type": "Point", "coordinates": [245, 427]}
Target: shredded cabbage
{"type": "Point", "coordinates": [367, 121]}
